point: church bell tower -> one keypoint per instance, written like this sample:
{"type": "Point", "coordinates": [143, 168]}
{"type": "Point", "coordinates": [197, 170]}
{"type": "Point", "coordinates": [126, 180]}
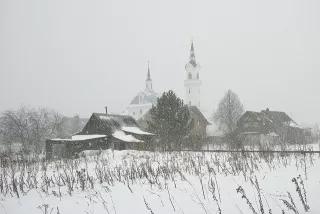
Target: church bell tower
{"type": "Point", "coordinates": [192, 82]}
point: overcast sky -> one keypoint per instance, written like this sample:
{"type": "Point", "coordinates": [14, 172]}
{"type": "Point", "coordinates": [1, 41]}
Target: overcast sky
{"type": "Point", "coordinates": [81, 55]}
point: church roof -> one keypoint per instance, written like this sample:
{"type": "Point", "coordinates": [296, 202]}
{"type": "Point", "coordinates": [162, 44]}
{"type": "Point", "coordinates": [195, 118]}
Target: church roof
{"type": "Point", "coordinates": [148, 96]}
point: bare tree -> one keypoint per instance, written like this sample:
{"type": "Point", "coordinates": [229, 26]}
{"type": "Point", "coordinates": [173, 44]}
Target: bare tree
{"type": "Point", "coordinates": [316, 132]}
{"type": "Point", "coordinates": [229, 111]}
{"type": "Point", "coordinates": [30, 127]}
{"type": "Point", "coordinates": [70, 126]}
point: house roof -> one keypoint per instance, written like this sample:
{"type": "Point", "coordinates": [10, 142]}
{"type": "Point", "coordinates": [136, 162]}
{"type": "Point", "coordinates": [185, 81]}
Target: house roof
{"type": "Point", "coordinates": [121, 135]}
{"type": "Point", "coordinates": [195, 113]}
{"type": "Point", "coordinates": [101, 123]}
{"type": "Point", "coordinates": [268, 120]}
{"type": "Point", "coordinates": [87, 137]}
{"type": "Point", "coordinates": [112, 125]}
{"type": "Point", "coordinates": [277, 116]}
{"type": "Point", "coordinates": [271, 116]}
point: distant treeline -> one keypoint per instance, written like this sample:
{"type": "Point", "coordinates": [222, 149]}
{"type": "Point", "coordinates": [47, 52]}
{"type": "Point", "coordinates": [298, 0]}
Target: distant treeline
{"type": "Point", "coordinates": [26, 128]}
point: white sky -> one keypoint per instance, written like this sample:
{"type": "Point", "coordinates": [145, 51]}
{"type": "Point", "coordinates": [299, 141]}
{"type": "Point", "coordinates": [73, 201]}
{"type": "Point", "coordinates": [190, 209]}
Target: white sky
{"type": "Point", "coordinates": [78, 56]}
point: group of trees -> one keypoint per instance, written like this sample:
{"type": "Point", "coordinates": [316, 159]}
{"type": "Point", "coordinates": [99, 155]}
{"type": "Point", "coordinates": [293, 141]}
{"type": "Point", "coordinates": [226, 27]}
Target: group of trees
{"type": "Point", "coordinates": [170, 119]}
{"type": "Point", "coordinates": [30, 127]}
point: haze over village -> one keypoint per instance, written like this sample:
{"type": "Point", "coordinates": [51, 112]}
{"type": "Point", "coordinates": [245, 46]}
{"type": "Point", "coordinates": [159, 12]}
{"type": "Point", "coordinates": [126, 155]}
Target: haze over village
{"type": "Point", "coordinates": [77, 64]}
{"type": "Point", "coordinates": [119, 106]}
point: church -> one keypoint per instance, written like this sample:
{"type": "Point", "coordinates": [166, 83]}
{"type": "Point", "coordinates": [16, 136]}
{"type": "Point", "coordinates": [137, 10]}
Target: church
{"type": "Point", "coordinates": [143, 101]}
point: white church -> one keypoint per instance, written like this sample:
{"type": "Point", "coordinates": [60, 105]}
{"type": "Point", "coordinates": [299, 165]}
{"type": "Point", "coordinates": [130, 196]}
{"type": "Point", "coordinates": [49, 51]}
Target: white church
{"type": "Point", "coordinates": [144, 100]}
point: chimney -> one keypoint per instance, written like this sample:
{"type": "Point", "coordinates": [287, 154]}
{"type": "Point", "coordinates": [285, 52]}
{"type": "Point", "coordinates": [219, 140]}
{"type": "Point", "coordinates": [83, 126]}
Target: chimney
{"type": "Point", "coordinates": [106, 107]}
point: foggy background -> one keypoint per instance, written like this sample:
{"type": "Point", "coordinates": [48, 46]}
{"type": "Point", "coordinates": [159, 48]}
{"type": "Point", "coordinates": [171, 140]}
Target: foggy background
{"type": "Point", "coordinates": [79, 56]}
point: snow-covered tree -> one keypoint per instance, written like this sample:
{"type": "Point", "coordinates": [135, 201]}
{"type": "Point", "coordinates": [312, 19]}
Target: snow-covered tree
{"type": "Point", "coordinates": [29, 126]}
{"type": "Point", "coordinates": [170, 120]}
{"type": "Point", "coordinates": [228, 112]}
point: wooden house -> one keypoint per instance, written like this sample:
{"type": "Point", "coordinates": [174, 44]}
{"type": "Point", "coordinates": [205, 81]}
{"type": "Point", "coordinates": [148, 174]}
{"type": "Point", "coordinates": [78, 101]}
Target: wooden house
{"type": "Point", "coordinates": [200, 123]}
{"type": "Point", "coordinates": [266, 126]}
{"type": "Point", "coordinates": [102, 131]}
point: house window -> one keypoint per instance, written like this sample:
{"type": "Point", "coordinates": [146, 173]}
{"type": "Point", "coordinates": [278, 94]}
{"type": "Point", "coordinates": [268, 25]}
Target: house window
{"type": "Point", "coordinates": [197, 75]}
{"type": "Point", "coordinates": [189, 90]}
{"type": "Point", "coordinates": [140, 111]}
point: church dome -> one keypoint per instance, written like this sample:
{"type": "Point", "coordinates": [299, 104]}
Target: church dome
{"type": "Point", "coordinates": [145, 97]}
{"type": "Point", "coordinates": [143, 101]}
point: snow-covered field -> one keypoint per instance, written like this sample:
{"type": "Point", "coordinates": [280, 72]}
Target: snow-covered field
{"type": "Point", "coordinates": [177, 182]}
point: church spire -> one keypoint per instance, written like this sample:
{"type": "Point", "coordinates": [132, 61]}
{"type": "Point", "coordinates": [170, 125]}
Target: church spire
{"type": "Point", "coordinates": [148, 80]}
{"type": "Point", "coordinates": [148, 74]}
{"type": "Point", "coordinates": [192, 55]}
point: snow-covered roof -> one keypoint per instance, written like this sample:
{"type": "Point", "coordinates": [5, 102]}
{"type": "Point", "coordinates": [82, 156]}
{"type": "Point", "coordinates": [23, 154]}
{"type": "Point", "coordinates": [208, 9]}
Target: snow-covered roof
{"type": "Point", "coordinates": [80, 137]}
{"type": "Point", "coordinates": [121, 135]}
{"type": "Point", "coordinates": [294, 124]}
{"type": "Point", "coordinates": [61, 139]}
{"type": "Point", "coordinates": [273, 134]}
{"type": "Point", "coordinates": [135, 130]}
{"type": "Point", "coordinates": [144, 97]}
{"type": "Point", "coordinates": [87, 137]}
{"type": "Point", "coordinates": [250, 133]}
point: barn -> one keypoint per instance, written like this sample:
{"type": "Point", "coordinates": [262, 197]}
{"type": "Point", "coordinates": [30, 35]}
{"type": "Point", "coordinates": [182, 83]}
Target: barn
{"type": "Point", "coordinates": [102, 131]}
{"type": "Point", "coordinates": [200, 123]}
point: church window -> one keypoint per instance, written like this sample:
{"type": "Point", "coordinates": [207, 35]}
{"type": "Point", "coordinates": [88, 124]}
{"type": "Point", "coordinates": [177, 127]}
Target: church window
{"type": "Point", "coordinates": [189, 91]}
{"type": "Point", "coordinates": [189, 76]}
{"type": "Point", "coordinates": [197, 75]}
{"type": "Point", "coordinates": [140, 111]}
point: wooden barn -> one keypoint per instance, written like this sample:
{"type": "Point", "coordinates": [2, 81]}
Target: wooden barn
{"type": "Point", "coordinates": [269, 126]}
{"type": "Point", "coordinates": [102, 131]}
{"type": "Point", "coordinates": [200, 123]}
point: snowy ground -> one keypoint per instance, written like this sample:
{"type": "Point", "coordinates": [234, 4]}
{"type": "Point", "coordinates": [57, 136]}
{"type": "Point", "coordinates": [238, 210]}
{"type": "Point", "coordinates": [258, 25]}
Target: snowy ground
{"type": "Point", "coordinates": [145, 182]}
